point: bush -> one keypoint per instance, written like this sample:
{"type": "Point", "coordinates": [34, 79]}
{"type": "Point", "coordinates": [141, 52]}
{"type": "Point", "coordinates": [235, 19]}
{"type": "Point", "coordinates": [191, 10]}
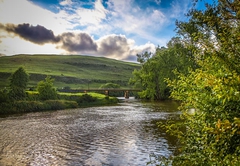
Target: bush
{"type": "Point", "coordinates": [34, 106]}
{"type": "Point", "coordinates": [3, 96]}
{"type": "Point", "coordinates": [68, 97]}
{"type": "Point", "coordinates": [46, 90]}
{"type": "Point", "coordinates": [55, 104]}
{"type": "Point", "coordinates": [71, 104]}
{"type": "Point", "coordinates": [86, 99]}
{"type": "Point", "coordinates": [7, 108]}
{"type": "Point", "coordinates": [21, 106]}
{"type": "Point", "coordinates": [33, 96]}
{"type": "Point", "coordinates": [29, 106]}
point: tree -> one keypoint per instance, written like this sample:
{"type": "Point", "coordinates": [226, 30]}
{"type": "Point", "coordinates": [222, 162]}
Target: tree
{"type": "Point", "coordinates": [46, 90]}
{"type": "Point", "coordinates": [212, 134]}
{"type": "Point", "coordinates": [144, 57]}
{"type": "Point", "coordinates": [112, 86]}
{"type": "Point", "coordinates": [109, 85]}
{"type": "Point", "coordinates": [151, 77]}
{"type": "Point", "coordinates": [18, 84]}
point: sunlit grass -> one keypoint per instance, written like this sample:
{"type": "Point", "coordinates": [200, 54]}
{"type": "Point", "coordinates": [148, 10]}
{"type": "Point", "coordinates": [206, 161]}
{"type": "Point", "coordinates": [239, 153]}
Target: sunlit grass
{"type": "Point", "coordinates": [93, 94]}
{"type": "Point", "coordinates": [97, 95]}
{"type": "Point", "coordinates": [74, 71]}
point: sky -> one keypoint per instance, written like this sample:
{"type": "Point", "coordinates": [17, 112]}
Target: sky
{"type": "Point", "coordinates": [117, 29]}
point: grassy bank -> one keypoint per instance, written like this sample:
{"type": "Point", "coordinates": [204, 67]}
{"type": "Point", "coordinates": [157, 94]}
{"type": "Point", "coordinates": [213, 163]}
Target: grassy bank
{"type": "Point", "coordinates": [64, 101]}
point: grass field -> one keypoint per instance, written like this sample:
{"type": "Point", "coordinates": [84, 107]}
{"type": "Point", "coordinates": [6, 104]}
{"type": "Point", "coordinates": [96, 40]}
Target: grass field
{"type": "Point", "coordinates": [74, 71]}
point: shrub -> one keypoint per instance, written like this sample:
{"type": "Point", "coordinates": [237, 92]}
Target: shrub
{"type": "Point", "coordinates": [3, 96]}
{"type": "Point", "coordinates": [46, 90]}
{"type": "Point", "coordinates": [55, 104]}
{"type": "Point", "coordinates": [7, 108]}
{"type": "Point", "coordinates": [86, 99]}
{"type": "Point", "coordinates": [33, 96]}
{"type": "Point", "coordinates": [71, 104]}
{"type": "Point", "coordinates": [68, 97]}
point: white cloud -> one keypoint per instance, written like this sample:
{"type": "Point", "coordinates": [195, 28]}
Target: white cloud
{"type": "Point", "coordinates": [120, 17]}
{"type": "Point", "coordinates": [15, 45]}
{"type": "Point", "coordinates": [83, 16]}
{"type": "Point", "coordinates": [131, 19]}
{"type": "Point", "coordinates": [23, 11]}
{"type": "Point", "coordinates": [66, 3]}
{"type": "Point", "coordinates": [179, 8]}
{"type": "Point", "coordinates": [121, 48]}
{"type": "Point", "coordinates": [148, 47]}
{"type": "Point", "coordinates": [91, 16]}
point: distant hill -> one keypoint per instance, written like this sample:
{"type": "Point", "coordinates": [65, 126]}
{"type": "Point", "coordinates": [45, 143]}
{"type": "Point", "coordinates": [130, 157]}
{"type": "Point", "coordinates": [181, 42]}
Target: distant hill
{"type": "Point", "coordinates": [75, 71]}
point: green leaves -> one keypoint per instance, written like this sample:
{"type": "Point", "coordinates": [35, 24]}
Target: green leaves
{"type": "Point", "coordinates": [212, 136]}
{"type": "Point", "coordinates": [46, 90]}
{"type": "Point", "coordinates": [18, 84]}
{"type": "Point", "coordinates": [151, 77]}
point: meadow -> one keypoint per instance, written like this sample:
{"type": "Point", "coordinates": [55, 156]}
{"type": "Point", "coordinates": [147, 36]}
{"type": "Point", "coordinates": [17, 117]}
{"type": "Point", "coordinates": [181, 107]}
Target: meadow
{"type": "Point", "coordinates": [74, 71]}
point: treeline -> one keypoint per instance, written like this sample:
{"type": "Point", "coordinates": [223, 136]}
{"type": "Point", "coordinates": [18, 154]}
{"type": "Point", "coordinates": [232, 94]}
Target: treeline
{"type": "Point", "coordinates": [16, 99]}
{"type": "Point", "coordinates": [201, 68]}
{"type": "Point", "coordinates": [162, 65]}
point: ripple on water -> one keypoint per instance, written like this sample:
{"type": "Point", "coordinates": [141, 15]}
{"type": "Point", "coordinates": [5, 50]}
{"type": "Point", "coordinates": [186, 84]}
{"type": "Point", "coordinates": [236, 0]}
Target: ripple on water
{"type": "Point", "coordinates": [117, 135]}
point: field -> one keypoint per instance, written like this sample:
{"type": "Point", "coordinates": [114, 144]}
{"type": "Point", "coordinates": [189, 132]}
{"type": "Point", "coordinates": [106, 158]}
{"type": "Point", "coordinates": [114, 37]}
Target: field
{"type": "Point", "coordinates": [74, 71]}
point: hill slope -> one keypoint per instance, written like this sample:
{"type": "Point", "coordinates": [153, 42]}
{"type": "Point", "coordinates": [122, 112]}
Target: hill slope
{"type": "Point", "coordinates": [75, 71]}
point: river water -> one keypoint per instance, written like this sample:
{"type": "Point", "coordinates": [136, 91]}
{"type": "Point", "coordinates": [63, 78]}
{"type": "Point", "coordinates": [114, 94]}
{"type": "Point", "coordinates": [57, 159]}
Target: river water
{"type": "Point", "coordinates": [120, 135]}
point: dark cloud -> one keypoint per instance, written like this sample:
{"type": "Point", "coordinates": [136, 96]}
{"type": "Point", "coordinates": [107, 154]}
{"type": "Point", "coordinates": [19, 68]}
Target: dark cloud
{"type": "Point", "coordinates": [71, 42]}
{"type": "Point", "coordinates": [77, 42]}
{"type": "Point", "coordinates": [114, 45]}
{"type": "Point", "coordinates": [36, 34]}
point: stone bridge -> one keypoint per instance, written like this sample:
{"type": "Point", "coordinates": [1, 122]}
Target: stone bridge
{"type": "Point", "coordinates": [107, 90]}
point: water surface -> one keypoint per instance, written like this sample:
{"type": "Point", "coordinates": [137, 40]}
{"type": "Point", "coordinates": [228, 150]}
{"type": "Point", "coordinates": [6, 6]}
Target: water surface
{"type": "Point", "coordinates": [120, 135]}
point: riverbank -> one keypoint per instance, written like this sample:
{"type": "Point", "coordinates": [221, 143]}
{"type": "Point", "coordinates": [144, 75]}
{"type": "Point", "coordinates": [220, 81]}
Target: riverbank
{"type": "Point", "coordinates": [64, 101]}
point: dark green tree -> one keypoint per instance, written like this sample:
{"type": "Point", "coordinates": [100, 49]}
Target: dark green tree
{"type": "Point", "coordinates": [3, 96]}
{"type": "Point", "coordinates": [18, 84]}
{"type": "Point", "coordinates": [46, 90]}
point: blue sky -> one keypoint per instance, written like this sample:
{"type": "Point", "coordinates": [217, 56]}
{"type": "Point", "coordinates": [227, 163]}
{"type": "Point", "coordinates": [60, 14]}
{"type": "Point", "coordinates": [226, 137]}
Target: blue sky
{"type": "Point", "coordinates": [116, 29]}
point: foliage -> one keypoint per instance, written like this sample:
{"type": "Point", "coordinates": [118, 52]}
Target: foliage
{"type": "Point", "coordinates": [4, 96]}
{"type": "Point", "coordinates": [160, 66]}
{"type": "Point", "coordinates": [86, 99]}
{"type": "Point", "coordinates": [46, 90]}
{"type": "Point", "coordinates": [213, 132]}
{"type": "Point", "coordinates": [210, 94]}
{"type": "Point", "coordinates": [18, 84]}
{"type": "Point", "coordinates": [23, 106]}
{"type": "Point", "coordinates": [109, 85]}
{"type": "Point", "coordinates": [112, 86]}
{"type": "Point", "coordinates": [60, 104]}
{"type": "Point", "coordinates": [64, 101]}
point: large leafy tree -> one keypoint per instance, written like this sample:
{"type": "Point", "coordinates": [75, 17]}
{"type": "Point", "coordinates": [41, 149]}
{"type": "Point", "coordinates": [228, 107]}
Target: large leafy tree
{"type": "Point", "coordinates": [212, 134]}
{"type": "Point", "coordinates": [156, 68]}
{"type": "Point", "coordinates": [18, 84]}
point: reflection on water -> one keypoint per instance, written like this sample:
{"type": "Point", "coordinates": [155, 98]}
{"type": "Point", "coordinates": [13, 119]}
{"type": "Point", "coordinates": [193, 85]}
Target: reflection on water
{"type": "Point", "coordinates": [117, 135]}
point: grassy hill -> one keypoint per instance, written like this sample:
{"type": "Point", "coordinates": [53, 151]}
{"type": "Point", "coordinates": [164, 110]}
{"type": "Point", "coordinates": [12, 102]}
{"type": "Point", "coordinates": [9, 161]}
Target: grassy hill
{"type": "Point", "coordinates": [75, 71]}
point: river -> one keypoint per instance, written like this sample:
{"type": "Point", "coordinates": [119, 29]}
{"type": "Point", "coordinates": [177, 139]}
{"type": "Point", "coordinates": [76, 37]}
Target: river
{"type": "Point", "coordinates": [121, 135]}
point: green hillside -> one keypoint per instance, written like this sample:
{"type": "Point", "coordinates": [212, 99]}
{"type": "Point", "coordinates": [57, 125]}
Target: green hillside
{"type": "Point", "coordinates": [75, 71]}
